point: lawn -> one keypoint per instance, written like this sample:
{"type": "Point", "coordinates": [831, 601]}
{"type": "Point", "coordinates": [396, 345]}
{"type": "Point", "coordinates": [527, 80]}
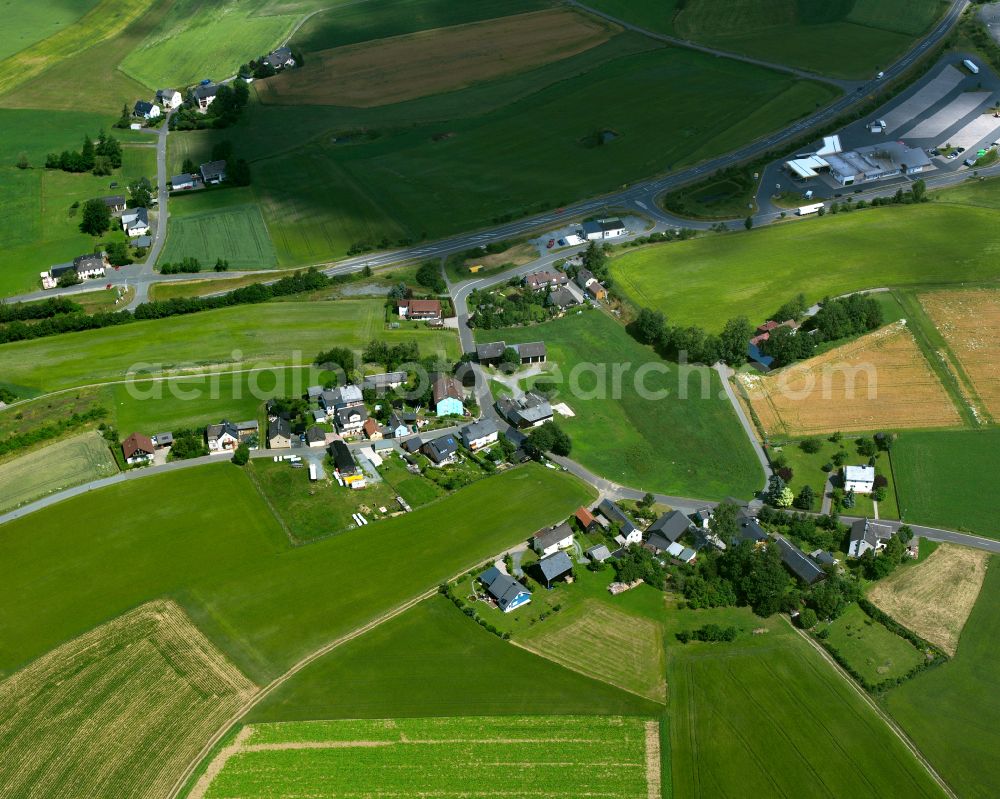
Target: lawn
{"type": "Point", "coordinates": [945, 479]}
{"type": "Point", "coordinates": [266, 335]}
{"type": "Point", "coordinates": [871, 650]}
{"type": "Point", "coordinates": [556, 756]}
{"type": "Point", "coordinates": [80, 720]}
{"type": "Point", "coordinates": [198, 40]}
{"type": "Point", "coordinates": [45, 471]}
{"type": "Point", "coordinates": [207, 540]}
{"type": "Point", "coordinates": [638, 441]}
{"type": "Point", "coordinates": [767, 716]}
{"type": "Point", "coordinates": [433, 661]}
{"type": "Point", "coordinates": [953, 712]}
{"type": "Point", "coordinates": [236, 234]}
{"type": "Point", "coordinates": [708, 280]}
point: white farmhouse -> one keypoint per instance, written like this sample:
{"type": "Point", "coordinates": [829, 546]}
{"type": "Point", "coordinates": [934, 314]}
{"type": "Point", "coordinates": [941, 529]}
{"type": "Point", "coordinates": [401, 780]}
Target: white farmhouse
{"type": "Point", "coordinates": [859, 479]}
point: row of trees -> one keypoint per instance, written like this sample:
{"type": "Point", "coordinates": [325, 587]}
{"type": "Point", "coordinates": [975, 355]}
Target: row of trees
{"type": "Point", "coordinates": [27, 438]}
{"type": "Point", "coordinates": [307, 280]}
{"type": "Point", "coordinates": [24, 311]}
{"type": "Point", "coordinates": [100, 157]}
{"type": "Point", "coordinates": [697, 346]}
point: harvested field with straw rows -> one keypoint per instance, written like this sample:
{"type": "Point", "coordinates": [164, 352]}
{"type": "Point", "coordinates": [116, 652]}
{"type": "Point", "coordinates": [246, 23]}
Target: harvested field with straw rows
{"type": "Point", "coordinates": [970, 323]}
{"type": "Point", "coordinates": [935, 598]}
{"type": "Point", "coordinates": [116, 712]}
{"type": "Point", "coordinates": [879, 381]}
{"type": "Point", "coordinates": [447, 758]}
{"type": "Point", "coordinates": [430, 62]}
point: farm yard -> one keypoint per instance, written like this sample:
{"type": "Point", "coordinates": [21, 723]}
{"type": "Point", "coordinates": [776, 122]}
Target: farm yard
{"type": "Point", "coordinates": [557, 756]}
{"type": "Point", "coordinates": [969, 321]}
{"type": "Point", "coordinates": [116, 711]}
{"type": "Point", "coordinates": [712, 459]}
{"type": "Point", "coordinates": [952, 712]}
{"type": "Point", "coordinates": [446, 59]}
{"type": "Point", "coordinates": [935, 597]}
{"type": "Point", "coordinates": [761, 717]}
{"type": "Point", "coordinates": [285, 333]}
{"type": "Point", "coordinates": [926, 466]}
{"type": "Point", "coordinates": [710, 279]}
{"type": "Point", "coordinates": [44, 471]}
{"type": "Point", "coordinates": [432, 661]}
{"type": "Point", "coordinates": [880, 381]}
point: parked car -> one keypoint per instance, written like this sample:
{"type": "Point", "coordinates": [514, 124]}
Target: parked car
{"type": "Point", "coordinates": [970, 161]}
{"type": "Point", "coordinates": [952, 154]}
{"type": "Point", "coordinates": [551, 244]}
{"type": "Point", "coordinates": [880, 76]}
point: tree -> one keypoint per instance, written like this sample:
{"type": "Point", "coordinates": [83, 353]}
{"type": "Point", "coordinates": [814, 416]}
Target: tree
{"type": "Point", "coordinates": [429, 276]}
{"type": "Point", "coordinates": [905, 533]}
{"type": "Point", "coordinates": [548, 438]}
{"type": "Point", "coordinates": [510, 357]}
{"type": "Point", "coordinates": [649, 326]}
{"type": "Point", "coordinates": [22, 161]}
{"type": "Point", "coordinates": [239, 173]}
{"type": "Point", "coordinates": [866, 447]}
{"type": "Point", "coordinates": [118, 254]}
{"type": "Point", "coordinates": [189, 165]}
{"type": "Point", "coordinates": [805, 499]}
{"type": "Point", "coordinates": [748, 222]}
{"type": "Point", "coordinates": [723, 523]}
{"type": "Point", "coordinates": [919, 191]}
{"type": "Point", "coordinates": [734, 339]}
{"type": "Point", "coordinates": [596, 260]}
{"type": "Point", "coordinates": [221, 265]}
{"type": "Point", "coordinates": [125, 119]}
{"type": "Point", "coordinates": [241, 457]}
{"type": "Point", "coordinates": [87, 153]}
{"type": "Point", "coordinates": [96, 217]}
{"type": "Point", "coordinates": [647, 501]}
{"type": "Point", "coordinates": [810, 445]}
{"type": "Point", "coordinates": [807, 619]}
{"type": "Point", "coordinates": [775, 487]}
{"type": "Point", "coordinates": [68, 278]}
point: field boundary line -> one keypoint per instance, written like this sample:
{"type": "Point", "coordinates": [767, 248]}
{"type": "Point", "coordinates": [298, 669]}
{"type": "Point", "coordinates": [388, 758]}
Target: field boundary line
{"type": "Point", "coordinates": [891, 722]}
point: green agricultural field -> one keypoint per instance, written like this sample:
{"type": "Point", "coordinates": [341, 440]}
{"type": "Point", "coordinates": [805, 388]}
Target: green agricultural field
{"type": "Point", "coordinates": [768, 716]}
{"type": "Point", "coordinates": [810, 35]}
{"type": "Point", "coordinates": [236, 234]}
{"type": "Point", "coordinates": [953, 712]}
{"type": "Point", "coordinates": [198, 41]}
{"type": "Point", "coordinates": [556, 756]}
{"type": "Point", "coordinates": [139, 161]}
{"type": "Point", "coordinates": [708, 280]}
{"type": "Point", "coordinates": [711, 459]}
{"type": "Point", "coordinates": [267, 335]}
{"type": "Point", "coordinates": [433, 661]}
{"type": "Point", "coordinates": [28, 23]}
{"type": "Point", "coordinates": [61, 465]}
{"type": "Point", "coordinates": [874, 652]}
{"type": "Point", "coordinates": [653, 15]}
{"type": "Point", "coordinates": [350, 23]}
{"type": "Point", "coordinates": [208, 540]}
{"type": "Point", "coordinates": [945, 479]}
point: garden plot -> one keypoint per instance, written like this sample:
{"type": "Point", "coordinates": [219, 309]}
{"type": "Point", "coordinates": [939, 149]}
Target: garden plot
{"type": "Point", "coordinates": [447, 758]}
{"type": "Point", "coordinates": [118, 711]}
{"type": "Point", "coordinates": [879, 381]}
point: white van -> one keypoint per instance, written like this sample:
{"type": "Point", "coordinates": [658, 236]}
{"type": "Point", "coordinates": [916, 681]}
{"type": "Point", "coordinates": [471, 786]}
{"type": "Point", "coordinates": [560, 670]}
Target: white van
{"type": "Point", "coordinates": [970, 65]}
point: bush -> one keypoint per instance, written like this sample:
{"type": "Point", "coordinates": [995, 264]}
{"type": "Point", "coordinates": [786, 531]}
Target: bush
{"type": "Point", "coordinates": [810, 445]}
{"type": "Point", "coordinates": [807, 619]}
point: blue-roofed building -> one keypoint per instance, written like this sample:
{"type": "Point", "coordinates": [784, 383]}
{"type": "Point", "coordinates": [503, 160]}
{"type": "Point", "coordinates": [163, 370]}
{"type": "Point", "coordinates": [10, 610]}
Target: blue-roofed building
{"type": "Point", "coordinates": [508, 592]}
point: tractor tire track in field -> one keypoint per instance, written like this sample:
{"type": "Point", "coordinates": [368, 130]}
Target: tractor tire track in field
{"type": "Point", "coordinates": [899, 732]}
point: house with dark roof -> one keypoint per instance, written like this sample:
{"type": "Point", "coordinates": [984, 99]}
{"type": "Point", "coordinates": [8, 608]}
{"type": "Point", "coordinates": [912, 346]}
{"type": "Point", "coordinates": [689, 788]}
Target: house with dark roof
{"type": "Point", "coordinates": [316, 437]}
{"type": "Point", "coordinates": [169, 98]}
{"type": "Point", "coordinates": [342, 458]}
{"type": "Point", "coordinates": [531, 352]}
{"type": "Point", "coordinates": [610, 511]}
{"type": "Point", "coordinates": [213, 172]}
{"type": "Point", "coordinates": [383, 381]}
{"type": "Point", "coordinates": [480, 434]}
{"type": "Point", "coordinates": [144, 109]}
{"type": "Point", "coordinates": [599, 229]}
{"type": "Point", "coordinates": [555, 566]}
{"type": "Point", "coordinates": [138, 448]}
{"type": "Point", "coordinates": [222, 437]}
{"type": "Point", "coordinates": [334, 399]}
{"type": "Point", "coordinates": [599, 553]}
{"type": "Point", "coordinates": [279, 434]}
{"type": "Point", "coordinates": [585, 280]}
{"type": "Point", "coordinates": [540, 281]}
{"type": "Point", "coordinates": [507, 592]}
{"type": "Point", "coordinates": [350, 419]}
{"type": "Point", "coordinates": [135, 222]}
{"type": "Point", "coordinates": [528, 410]}
{"type": "Point", "coordinates": [671, 525]}
{"type": "Point", "coordinates": [412, 445]}
{"type": "Point", "coordinates": [116, 203]}
{"type": "Point", "coordinates": [868, 535]}
{"type": "Point", "coordinates": [162, 440]}
{"type": "Point", "coordinates": [824, 557]}
{"type": "Point", "coordinates": [204, 95]}
{"type": "Point", "coordinates": [441, 451]}
{"type": "Point", "coordinates": [748, 529]}
{"type": "Point", "coordinates": [545, 542]}
{"type": "Point", "coordinates": [279, 59]}
{"type": "Point", "coordinates": [490, 353]}
{"type": "Point", "coordinates": [797, 563]}
{"type": "Point", "coordinates": [185, 181]}
{"type": "Point", "coordinates": [561, 298]}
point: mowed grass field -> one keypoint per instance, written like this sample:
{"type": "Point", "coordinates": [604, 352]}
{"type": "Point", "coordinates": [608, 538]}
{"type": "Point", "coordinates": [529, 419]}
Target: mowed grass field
{"type": "Point", "coordinates": [878, 381]}
{"type": "Point", "coordinates": [67, 463]}
{"type": "Point", "coordinates": [945, 479]}
{"type": "Point", "coordinates": [935, 597]}
{"type": "Point", "coordinates": [708, 280]}
{"type": "Point", "coordinates": [266, 335]}
{"type": "Point", "coordinates": [30, 23]}
{"type": "Point", "coordinates": [208, 540]}
{"type": "Point", "coordinates": [433, 661]}
{"type": "Point", "coordinates": [236, 234]}
{"type": "Point", "coordinates": [952, 712]}
{"type": "Point", "coordinates": [556, 756]}
{"type": "Point", "coordinates": [117, 711]}
{"type": "Point", "coordinates": [763, 716]}
{"type": "Point", "coordinates": [627, 438]}
{"type": "Point", "coordinates": [198, 40]}
{"type": "Point", "coordinates": [807, 35]}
